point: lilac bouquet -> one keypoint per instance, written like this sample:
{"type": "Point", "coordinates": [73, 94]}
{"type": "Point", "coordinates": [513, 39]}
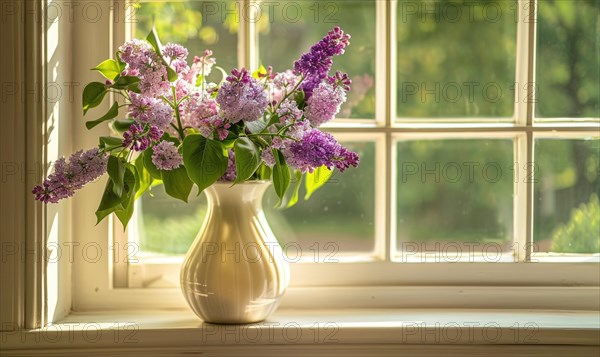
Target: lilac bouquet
{"type": "Point", "coordinates": [183, 130]}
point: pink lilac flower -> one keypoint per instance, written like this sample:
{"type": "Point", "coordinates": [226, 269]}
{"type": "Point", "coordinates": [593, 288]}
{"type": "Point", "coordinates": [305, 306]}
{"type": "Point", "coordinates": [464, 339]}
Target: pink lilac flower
{"type": "Point", "coordinates": [324, 104]}
{"type": "Point", "coordinates": [230, 174]}
{"type": "Point", "coordinates": [139, 137]}
{"type": "Point", "coordinates": [150, 110]}
{"type": "Point", "coordinates": [282, 84]}
{"type": "Point", "coordinates": [176, 56]}
{"type": "Point", "coordinates": [241, 97]}
{"type": "Point", "coordinates": [288, 111]}
{"type": "Point", "coordinates": [82, 167]}
{"type": "Point", "coordinates": [315, 64]}
{"type": "Point", "coordinates": [166, 156]}
{"type": "Point", "coordinates": [137, 54]}
{"type": "Point", "coordinates": [285, 80]}
{"type": "Point", "coordinates": [200, 66]}
{"type": "Point", "coordinates": [142, 61]}
{"type": "Point", "coordinates": [203, 116]}
{"type": "Point", "coordinates": [317, 148]}
{"type": "Point", "coordinates": [154, 81]}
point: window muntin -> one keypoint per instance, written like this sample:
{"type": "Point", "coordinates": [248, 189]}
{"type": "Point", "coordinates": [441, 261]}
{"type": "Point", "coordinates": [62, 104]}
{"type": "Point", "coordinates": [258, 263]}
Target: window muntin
{"type": "Point", "coordinates": [476, 127]}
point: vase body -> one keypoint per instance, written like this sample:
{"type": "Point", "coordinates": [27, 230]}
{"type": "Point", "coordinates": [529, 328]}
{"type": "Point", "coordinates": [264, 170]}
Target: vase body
{"type": "Point", "coordinates": [235, 271]}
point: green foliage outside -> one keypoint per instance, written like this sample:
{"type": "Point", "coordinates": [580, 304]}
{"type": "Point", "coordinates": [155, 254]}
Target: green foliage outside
{"type": "Point", "coordinates": [430, 51]}
{"type": "Point", "coordinates": [582, 233]}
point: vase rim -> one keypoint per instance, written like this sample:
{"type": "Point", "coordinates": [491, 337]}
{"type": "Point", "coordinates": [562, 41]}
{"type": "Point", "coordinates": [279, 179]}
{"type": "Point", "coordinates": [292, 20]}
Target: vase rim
{"type": "Point", "coordinates": [251, 182]}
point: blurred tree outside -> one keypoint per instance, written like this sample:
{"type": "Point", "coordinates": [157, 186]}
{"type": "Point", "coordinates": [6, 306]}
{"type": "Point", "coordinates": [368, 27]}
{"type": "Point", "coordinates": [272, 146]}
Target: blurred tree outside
{"type": "Point", "coordinates": [434, 48]}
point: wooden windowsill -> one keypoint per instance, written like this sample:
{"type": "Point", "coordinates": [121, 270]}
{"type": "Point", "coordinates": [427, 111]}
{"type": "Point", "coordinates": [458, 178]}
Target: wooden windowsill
{"type": "Point", "coordinates": [335, 332]}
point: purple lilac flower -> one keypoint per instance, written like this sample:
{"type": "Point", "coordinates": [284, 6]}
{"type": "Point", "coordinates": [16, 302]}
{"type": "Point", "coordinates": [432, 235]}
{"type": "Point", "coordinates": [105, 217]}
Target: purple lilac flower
{"type": "Point", "coordinates": [176, 56]}
{"type": "Point", "coordinates": [317, 148]}
{"type": "Point", "coordinates": [316, 63]}
{"type": "Point", "coordinates": [288, 111]}
{"type": "Point", "coordinates": [241, 97]}
{"type": "Point", "coordinates": [166, 156]}
{"type": "Point", "coordinates": [230, 174]}
{"type": "Point", "coordinates": [298, 130]}
{"type": "Point", "coordinates": [324, 104]}
{"type": "Point", "coordinates": [82, 167]}
{"type": "Point", "coordinates": [150, 110]}
{"type": "Point", "coordinates": [267, 156]}
{"type": "Point", "coordinates": [139, 137]}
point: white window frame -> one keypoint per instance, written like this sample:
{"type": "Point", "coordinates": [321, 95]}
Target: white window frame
{"type": "Point", "coordinates": [380, 282]}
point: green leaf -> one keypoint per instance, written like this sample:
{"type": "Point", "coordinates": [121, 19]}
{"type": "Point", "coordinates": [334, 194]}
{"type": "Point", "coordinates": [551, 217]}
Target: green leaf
{"type": "Point", "coordinates": [265, 172]}
{"type": "Point", "coordinates": [154, 40]}
{"type": "Point", "coordinates": [260, 71]}
{"type": "Point", "coordinates": [247, 158]}
{"type": "Point", "coordinates": [257, 126]}
{"type": "Point", "coordinates": [171, 74]}
{"type": "Point", "coordinates": [281, 175]}
{"type": "Point", "coordinates": [298, 181]}
{"type": "Point", "coordinates": [110, 141]}
{"type": "Point", "coordinates": [111, 114]}
{"type": "Point", "coordinates": [316, 179]}
{"type": "Point", "coordinates": [116, 171]}
{"type": "Point", "coordinates": [121, 205]}
{"type": "Point", "coordinates": [121, 125]}
{"type": "Point", "coordinates": [205, 160]}
{"type": "Point", "coordinates": [109, 202]}
{"type": "Point", "coordinates": [149, 165]}
{"type": "Point", "coordinates": [177, 183]}
{"type": "Point", "coordinates": [131, 187]}
{"type": "Point", "coordinates": [92, 96]}
{"type": "Point", "coordinates": [145, 179]}
{"type": "Point", "coordinates": [126, 82]}
{"type": "Point", "coordinates": [109, 68]}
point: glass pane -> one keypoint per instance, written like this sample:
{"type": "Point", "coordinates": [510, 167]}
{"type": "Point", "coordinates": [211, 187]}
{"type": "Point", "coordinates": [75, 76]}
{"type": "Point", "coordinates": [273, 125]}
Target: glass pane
{"type": "Point", "coordinates": [288, 28]}
{"type": "Point", "coordinates": [455, 59]}
{"type": "Point", "coordinates": [340, 216]}
{"type": "Point", "coordinates": [567, 187]}
{"type": "Point", "coordinates": [197, 25]}
{"type": "Point", "coordinates": [568, 59]}
{"type": "Point", "coordinates": [454, 199]}
{"type": "Point", "coordinates": [166, 225]}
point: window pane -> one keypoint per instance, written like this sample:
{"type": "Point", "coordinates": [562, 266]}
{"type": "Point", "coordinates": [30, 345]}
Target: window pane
{"type": "Point", "coordinates": [166, 225]}
{"type": "Point", "coordinates": [455, 59]}
{"type": "Point", "coordinates": [338, 217]}
{"type": "Point", "coordinates": [454, 197]}
{"type": "Point", "coordinates": [567, 187]}
{"type": "Point", "coordinates": [197, 25]}
{"type": "Point", "coordinates": [568, 59]}
{"type": "Point", "coordinates": [288, 28]}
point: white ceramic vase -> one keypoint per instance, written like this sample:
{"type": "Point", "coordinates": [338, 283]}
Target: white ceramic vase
{"type": "Point", "coordinates": [235, 271]}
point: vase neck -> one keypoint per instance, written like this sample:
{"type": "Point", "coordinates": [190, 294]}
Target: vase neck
{"type": "Point", "coordinates": [223, 194]}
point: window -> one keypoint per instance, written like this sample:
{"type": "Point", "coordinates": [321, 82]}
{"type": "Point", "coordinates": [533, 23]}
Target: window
{"type": "Point", "coordinates": [477, 125]}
